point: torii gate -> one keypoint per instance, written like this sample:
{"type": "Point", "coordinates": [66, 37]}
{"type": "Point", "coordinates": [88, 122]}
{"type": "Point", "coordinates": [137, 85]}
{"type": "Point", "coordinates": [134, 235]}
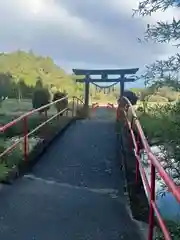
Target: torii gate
{"type": "Point", "coordinates": [104, 78]}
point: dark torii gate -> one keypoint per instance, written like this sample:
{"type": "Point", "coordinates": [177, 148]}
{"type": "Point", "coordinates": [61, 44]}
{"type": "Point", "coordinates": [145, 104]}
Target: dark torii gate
{"type": "Point", "coordinates": [104, 78]}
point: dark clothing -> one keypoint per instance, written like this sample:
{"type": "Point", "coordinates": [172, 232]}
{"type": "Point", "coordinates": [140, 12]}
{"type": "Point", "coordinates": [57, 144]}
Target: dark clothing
{"type": "Point", "coordinates": [131, 96]}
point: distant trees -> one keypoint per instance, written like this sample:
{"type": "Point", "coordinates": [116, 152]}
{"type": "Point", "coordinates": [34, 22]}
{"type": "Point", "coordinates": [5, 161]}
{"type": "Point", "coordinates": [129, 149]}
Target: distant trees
{"type": "Point", "coordinates": [5, 84]}
{"type": "Point", "coordinates": [26, 67]}
{"type": "Point", "coordinates": [14, 89]}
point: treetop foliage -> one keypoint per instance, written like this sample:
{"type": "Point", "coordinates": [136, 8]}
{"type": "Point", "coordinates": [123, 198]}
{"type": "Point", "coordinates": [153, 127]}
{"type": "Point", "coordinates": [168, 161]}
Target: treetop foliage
{"type": "Point", "coordinates": [147, 7]}
{"type": "Point", "coordinates": [163, 71]}
{"type": "Point", "coordinates": [161, 31]}
{"type": "Point", "coordinates": [30, 67]}
{"type": "Point", "coordinates": [24, 71]}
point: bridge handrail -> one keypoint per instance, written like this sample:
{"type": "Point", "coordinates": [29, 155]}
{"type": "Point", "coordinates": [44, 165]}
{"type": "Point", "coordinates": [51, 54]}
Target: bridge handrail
{"type": "Point", "coordinates": [30, 113]}
{"type": "Point", "coordinates": [25, 117]}
{"type": "Point", "coordinates": [78, 99]}
{"type": "Point", "coordinates": [155, 166]}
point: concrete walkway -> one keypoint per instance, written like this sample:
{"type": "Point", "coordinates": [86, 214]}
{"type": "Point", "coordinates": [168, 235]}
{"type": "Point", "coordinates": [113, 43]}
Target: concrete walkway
{"type": "Point", "coordinates": [74, 193]}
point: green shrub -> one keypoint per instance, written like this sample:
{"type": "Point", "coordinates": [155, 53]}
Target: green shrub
{"type": "Point", "coordinates": [62, 104]}
{"type": "Point", "coordinates": [157, 98]}
{"type": "Point", "coordinates": [82, 112]}
{"type": "Point", "coordinates": [3, 171]}
{"type": "Point", "coordinates": [140, 109]}
{"type": "Point", "coordinates": [40, 98]}
{"type": "Point", "coordinates": [173, 227]}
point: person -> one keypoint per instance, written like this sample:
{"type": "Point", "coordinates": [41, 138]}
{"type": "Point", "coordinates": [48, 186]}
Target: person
{"type": "Point", "coordinates": [131, 96]}
{"type": "Point", "coordinates": [122, 103]}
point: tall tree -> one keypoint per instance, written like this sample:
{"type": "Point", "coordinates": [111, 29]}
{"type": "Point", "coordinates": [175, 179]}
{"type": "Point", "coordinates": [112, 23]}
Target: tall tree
{"type": "Point", "coordinates": [162, 32]}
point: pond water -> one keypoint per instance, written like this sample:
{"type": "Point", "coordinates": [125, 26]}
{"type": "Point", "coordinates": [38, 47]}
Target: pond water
{"type": "Point", "coordinates": [167, 204]}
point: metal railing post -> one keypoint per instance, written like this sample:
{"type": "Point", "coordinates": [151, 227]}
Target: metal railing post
{"type": "Point", "coordinates": [25, 135]}
{"type": "Point", "coordinates": [137, 162]}
{"type": "Point", "coordinates": [73, 108]}
{"type": "Point", "coordinates": [77, 102]}
{"type": "Point", "coordinates": [152, 199]}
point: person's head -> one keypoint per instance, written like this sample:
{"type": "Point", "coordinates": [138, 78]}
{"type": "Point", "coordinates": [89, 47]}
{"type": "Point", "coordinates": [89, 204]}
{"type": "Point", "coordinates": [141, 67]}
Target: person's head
{"type": "Point", "coordinates": [131, 96]}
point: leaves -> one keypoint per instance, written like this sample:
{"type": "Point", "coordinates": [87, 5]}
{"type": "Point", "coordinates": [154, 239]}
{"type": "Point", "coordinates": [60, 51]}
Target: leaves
{"type": "Point", "coordinates": [147, 7]}
{"type": "Point", "coordinates": [163, 72]}
{"type": "Point", "coordinates": [30, 67]}
{"type": "Point", "coordinates": [163, 123]}
{"type": "Point", "coordinates": [174, 228]}
{"type": "Point", "coordinates": [164, 32]}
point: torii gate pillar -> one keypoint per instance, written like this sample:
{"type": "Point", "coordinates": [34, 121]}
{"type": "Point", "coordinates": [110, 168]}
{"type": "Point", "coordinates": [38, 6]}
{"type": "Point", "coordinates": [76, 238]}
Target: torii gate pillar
{"type": "Point", "coordinates": [122, 86]}
{"type": "Point", "coordinates": [86, 97]}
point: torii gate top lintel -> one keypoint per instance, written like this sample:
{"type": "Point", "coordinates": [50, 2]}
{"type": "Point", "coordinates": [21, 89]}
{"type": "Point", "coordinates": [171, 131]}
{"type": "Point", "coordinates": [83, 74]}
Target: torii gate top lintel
{"type": "Point", "coordinates": [105, 71]}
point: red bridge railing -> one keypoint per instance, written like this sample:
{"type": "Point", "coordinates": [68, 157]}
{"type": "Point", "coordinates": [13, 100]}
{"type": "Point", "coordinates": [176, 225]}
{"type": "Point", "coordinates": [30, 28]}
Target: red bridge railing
{"type": "Point", "coordinates": [131, 124]}
{"type": "Point", "coordinates": [126, 113]}
{"type": "Point", "coordinates": [24, 119]}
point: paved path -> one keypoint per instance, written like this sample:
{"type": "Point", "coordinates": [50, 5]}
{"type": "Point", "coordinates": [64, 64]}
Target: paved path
{"type": "Point", "coordinates": [75, 192]}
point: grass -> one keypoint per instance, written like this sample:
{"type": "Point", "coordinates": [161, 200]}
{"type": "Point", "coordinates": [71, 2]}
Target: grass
{"type": "Point", "coordinates": [159, 123]}
{"type": "Point", "coordinates": [12, 109]}
{"type": "Point", "coordinates": [11, 161]}
{"type": "Point", "coordinates": [3, 171]}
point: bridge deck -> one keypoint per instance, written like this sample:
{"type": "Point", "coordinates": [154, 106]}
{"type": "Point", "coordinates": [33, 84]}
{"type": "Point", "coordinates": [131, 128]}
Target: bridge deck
{"type": "Point", "coordinates": [74, 192]}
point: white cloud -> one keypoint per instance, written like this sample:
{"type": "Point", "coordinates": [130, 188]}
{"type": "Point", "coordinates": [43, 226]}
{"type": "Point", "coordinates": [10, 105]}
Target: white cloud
{"type": "Point", "coordinates": [78, 32]}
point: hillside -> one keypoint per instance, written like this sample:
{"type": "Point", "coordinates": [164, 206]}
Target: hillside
{"type": "Point", "coordinates": [29, 67]}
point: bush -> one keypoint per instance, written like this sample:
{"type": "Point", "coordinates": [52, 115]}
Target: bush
{"type": "Point", "coordinates": [62, 104]}
{"type": "Point", "coordinates": [157, 98]}
{"type": "Point", "coordinates": [82, 112]}
{"type": "Point", "coordinates": [40, 98]}
{"type": "Point", "coordinates": [140, 109]}
{"type": "Point", "coordinates": [174, 228]}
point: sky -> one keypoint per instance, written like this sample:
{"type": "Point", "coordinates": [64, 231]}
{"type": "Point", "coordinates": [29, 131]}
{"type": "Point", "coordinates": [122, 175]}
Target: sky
{"type": "Point", "coordinates": [88, 34]}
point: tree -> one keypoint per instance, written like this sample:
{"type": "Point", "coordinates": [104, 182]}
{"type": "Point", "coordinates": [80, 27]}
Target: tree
{"type": "Point", "coordinates": [165, 72]}
{"type": "Point", "coordinates": [61, 105]}
{"type": "Point", "coordinates": [29, 67]}
{"type": "Point", "coordinates": [39, 83]}
{"type": "Point", "coordinates": [5, 86]}
{"type": "Point", "coordinates": [144, 96]}
{"type": "Point", "coordinates": [162, 32]}
{"type": "Point", "coordinates": [168, 93]}
{"type": "Point", "coordinates": [41, 97]}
